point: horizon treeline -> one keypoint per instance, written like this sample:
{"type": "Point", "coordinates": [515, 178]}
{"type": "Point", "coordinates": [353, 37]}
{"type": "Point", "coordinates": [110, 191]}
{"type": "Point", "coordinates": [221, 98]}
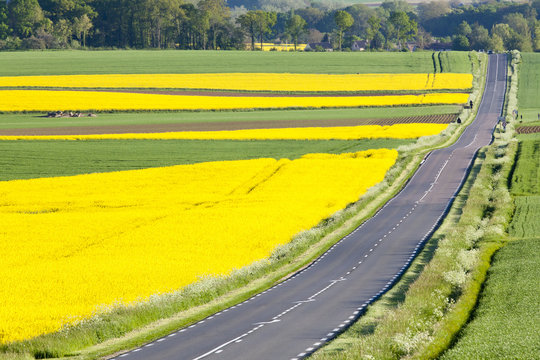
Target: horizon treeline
{"type": "Point", "coordinates": [242, 24]}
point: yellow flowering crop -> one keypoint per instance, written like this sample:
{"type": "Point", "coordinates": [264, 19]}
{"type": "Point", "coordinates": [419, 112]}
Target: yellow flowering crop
{"type": "Point", "coordinates": [396, 131]}
{"type": "Point", "coordinates": [74, 245]}
{"type": "Point", "coordinates": [280, 47]}
{"type": "Point", "coordinates": [43, 100]}
{"type": "Point", "coordinates": [253, 82]}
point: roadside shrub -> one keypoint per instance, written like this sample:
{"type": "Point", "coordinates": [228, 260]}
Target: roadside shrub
{"type": "Point", "coordinates": [33, 43]}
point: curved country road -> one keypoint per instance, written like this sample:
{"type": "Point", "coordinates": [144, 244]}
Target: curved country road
{"type": "Point", "coordinates": [299, 315]}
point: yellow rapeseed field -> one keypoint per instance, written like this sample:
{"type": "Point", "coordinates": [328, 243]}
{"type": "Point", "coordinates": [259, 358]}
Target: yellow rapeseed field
{"type": "Point", "coordinates": [280, 47]}
{"type": "Point", "coordinates": [396, 131]}
{"type": "Point", "coordinates": [251, 81]}
{"type": "Point", "coordinates": [43, 100]}
{"type": "Point", "coordinates": [74, 245]}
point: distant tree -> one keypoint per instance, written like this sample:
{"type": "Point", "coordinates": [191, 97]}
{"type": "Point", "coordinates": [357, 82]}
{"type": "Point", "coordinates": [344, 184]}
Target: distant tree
{"type": "Point", "coordinates": [315, 36]}
{"type": "Point", "coordinates": [218, 13]}
{"type": "Point", "coordinates": [396, 5]}
{"type": "Point", "coordinates": [158, 19]}
{"type": "Point", "coordinates": [265, 20]}
{"type": "Point", "coordinates": [520, 33]}
{"type": "Point", "coordinates": [496, 43]}
{"type": "Point", "coordinates": [518, 23]}
{"type": "Point", "coordinates": [464, 29]}
{"type": "Point", "coordinates": [404, 28]}
{"type": "Point", "coordinates": [461, 43]}
{"type": "Point", "coordinates": [519, 42]}
{"type": "Point", "coordinates": [361, 15]}
{"type": "Point", "coordinates": [502, 30]}
{"type": "Point", "coordinates": [312, 16]}
{"type": "Point", "coordinates": [479, 37]}
{"type": "Point", "coordinates": [343, 20]}
{"type": "Point", "coordinates": [25, 16]}
{"type": "Point", "coordinates": [66, 9]}
{"type": "Point", "coordinates": [200, 24]}
{"type": "Point", "coordinates": [257, 23]}
{"type": "Point", "coordinates": [62, 31]}
{"type": "Point", "coordinates": [433, 9]}
{"type": "Point", "coordinates": [81, 26]}
{"type": "Point", "coordinates": [423, 38]}
{"type": "Point", "coordinates": [230, 37]}
{"type": "Point", "coordinates": [247, 22]}
{"type": "Point", "coordinates": [374, 25]}
{"type": "Point", "coordinates": [189, 34]}
{"type": "Point", "coordinates": [295, 27]}
{"type": "Point", "coordinates": [536, 40]}
{"type": "Point", "coordinates": [378, 41]}
{"type": "Point", "coordinates": [4, 27]}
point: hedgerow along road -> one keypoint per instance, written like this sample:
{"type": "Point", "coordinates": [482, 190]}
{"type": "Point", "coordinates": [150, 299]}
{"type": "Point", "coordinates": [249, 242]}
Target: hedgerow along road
{"type": "Point", "coordinates": [297, 316]}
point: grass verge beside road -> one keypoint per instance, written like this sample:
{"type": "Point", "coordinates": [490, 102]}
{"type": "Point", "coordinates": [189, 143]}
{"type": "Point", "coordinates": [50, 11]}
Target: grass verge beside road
{"type": "Point", "coordinates": [422, 315]}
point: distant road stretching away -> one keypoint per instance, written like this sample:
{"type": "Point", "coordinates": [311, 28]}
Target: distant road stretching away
{"type": "Point", "coordinates": [294, 318]}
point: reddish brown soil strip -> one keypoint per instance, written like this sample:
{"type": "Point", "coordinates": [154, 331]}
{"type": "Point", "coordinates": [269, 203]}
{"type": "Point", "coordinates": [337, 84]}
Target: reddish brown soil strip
{"type": "Point", "coordinates": [216, 126]}
{"type": "Point", "coordinates": [528, 129]}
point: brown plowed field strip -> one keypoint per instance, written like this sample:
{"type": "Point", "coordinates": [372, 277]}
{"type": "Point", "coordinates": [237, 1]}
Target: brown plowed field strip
{"type": "Point", "coordinates": [216, 126]}
{"type": "Point", "coordinates": [528, 129]}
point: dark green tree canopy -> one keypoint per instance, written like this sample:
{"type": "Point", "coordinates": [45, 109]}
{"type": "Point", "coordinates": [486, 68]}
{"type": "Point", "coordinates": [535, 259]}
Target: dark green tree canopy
{"type": "Point", "coordinates": [228, 24]}
{"type": "Point", "coordinates": [343, 20]}
{"type": "Point", "coordinates": [295, 27]}
{"type": "Point", "coordinates": [403, 28]}
{"type": "Point", "coordinates": [24, 16]}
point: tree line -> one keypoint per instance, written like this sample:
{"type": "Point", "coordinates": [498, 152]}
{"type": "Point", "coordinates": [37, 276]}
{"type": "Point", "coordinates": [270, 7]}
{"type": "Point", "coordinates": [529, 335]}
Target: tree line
{"type": "Point", "coordinates": [242, 24]}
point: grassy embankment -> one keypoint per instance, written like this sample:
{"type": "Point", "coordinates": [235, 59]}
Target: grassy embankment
{"type": "Point", "coordinates": [422, 315]}
{"type": "Point", "coordinates": [505, 322]}
{"type": "Point", "coordinates": [201, 299]}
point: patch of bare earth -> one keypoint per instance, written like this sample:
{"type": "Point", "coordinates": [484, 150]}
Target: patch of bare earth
{"type": "Point", "coordinates": [528, 129]}
{"type": "Point", "coordinates": [217, 126]}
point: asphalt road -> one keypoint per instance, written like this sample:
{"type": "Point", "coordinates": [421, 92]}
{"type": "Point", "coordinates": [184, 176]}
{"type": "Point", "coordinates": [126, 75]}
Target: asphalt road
{"type": "Point", "coordinates": [299, 315]}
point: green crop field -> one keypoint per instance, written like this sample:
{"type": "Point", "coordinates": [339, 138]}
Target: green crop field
{"type": "Point", "coordinates": [526, 177]}
{"type": "Point", "coordinates": [529, 82]}
{"type": "Point", "coordinates": [505, 324]}
{"type": "Point", "coordinates": [526, 222]}
{"type": "Point", "coordinates": [24, 121]}
{"type": "Point", "coordinates": [164, 62]}
{"type": "Point", "coordinates": [34, 159]}
{"type": "Point", "coordinates": [529, 89]}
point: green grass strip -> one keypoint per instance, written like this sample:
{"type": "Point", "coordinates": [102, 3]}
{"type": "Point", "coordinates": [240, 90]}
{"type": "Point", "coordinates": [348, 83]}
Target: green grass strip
{"type": "Point", "coordinates": [526, 222]}
{"type": "Point", "coordinates": [32, 120]}
{"type": "Point", "coordinates": [35, 159]}
{"type": "Point", "coordinates": [178, 62]}
{"type": "Point", "coordinates": [529, 81]}
{"type": "Point", "coordinates": [526, 177]}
